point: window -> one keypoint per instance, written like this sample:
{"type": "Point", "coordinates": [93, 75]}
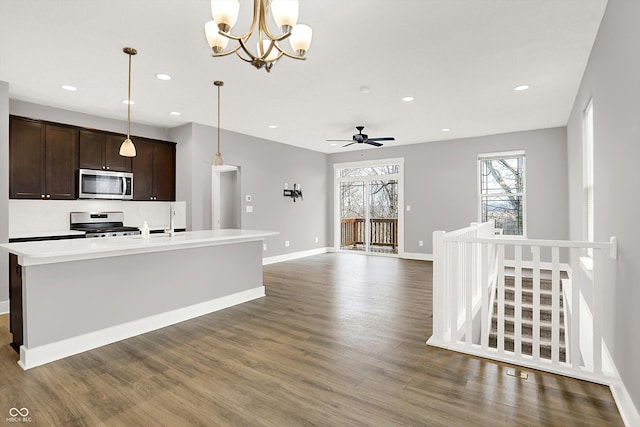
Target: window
{"type": "Point", "coordinates": [587, 146]}
{"type": "Point", "coordinates": [502, 191]}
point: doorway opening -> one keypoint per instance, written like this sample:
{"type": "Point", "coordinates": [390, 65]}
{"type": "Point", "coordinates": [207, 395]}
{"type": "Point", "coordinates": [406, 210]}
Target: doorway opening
{"type": "Point", "coordinates": [368, 200]}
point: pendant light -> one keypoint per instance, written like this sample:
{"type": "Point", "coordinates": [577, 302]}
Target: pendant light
{"type": "Point", "coordinates": [127, 148]}
{"type": "Point", "coordinates": [217, 161]}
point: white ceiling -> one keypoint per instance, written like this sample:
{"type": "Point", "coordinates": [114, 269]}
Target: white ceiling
{"type": "Point", "coordinates": [460, 59]}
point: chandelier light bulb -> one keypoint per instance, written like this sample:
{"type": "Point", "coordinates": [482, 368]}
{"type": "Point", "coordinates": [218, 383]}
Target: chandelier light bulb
{"type": "Point", "coordinates": [285, 13]}
{"type": "Point", "coordinates": [273, 55]}
{"type": "Point", "coordinates": [225, 13]}
{"type": "Point", "coordinates": [300, 39]}
{"type": "Point", "coordinates": [216, 41]}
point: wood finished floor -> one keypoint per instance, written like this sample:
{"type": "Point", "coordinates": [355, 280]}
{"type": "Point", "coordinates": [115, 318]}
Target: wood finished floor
{"type": "Point", "coordinates": [339, 340]}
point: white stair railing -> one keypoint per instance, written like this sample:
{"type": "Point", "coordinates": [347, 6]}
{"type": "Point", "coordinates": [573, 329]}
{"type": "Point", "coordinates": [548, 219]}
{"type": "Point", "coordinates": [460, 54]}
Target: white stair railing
{"type": "Point", "coordinates": [469, 271]}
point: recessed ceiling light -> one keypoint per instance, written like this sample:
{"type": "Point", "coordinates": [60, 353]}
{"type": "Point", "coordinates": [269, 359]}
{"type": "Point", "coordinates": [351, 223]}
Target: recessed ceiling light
{"type": "Point", "coordinates": [273, 126]}
{"type": "Point", "coordinates": [175, 113]}
{"type": "Point", "coordinates": [334, 144]}
{"type": "Point", "coordinates": [69, 87]}
{"type": "Point", "coordinates": [124, 101]}
{"type": "Point", "coordinates": [365, 90]}
{"type": "Point", "coordinates": [408, 98]}
{"type": "Point", "coordinates": [445, 130]}
{"type": "Point", "coordinates": [521, 87]}
{"type": "Point", "coordinates": [162, 76]}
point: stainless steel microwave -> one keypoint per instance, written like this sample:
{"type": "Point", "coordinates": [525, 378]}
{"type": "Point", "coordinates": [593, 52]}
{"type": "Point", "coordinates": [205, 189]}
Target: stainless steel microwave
{"type": "Point", "coordinates": [100, 184]}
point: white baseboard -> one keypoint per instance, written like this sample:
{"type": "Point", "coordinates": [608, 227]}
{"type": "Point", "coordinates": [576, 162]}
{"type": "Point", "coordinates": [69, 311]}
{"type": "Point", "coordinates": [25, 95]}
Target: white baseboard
{"type": "Point", "coordinates": [32, 357]}
{"type": "Point", "coordinates": [295, 255]}
{"type": "Point", "coordinates": [4, 307]}
{"type": "Point", "coordinates": [626, 407]}
{"type": "Point", "coordinates": [417, 255]}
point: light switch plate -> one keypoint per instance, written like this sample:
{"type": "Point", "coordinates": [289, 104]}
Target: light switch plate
{"type": "Point", "coordinates": [247, 197]}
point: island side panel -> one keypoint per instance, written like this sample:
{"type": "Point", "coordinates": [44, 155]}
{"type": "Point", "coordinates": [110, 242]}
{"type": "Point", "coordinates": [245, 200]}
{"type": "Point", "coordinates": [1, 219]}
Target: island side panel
{"type": "Point", "coordinates": [15, 302]}
{"type": "Point", "coordinates": [68, 299]}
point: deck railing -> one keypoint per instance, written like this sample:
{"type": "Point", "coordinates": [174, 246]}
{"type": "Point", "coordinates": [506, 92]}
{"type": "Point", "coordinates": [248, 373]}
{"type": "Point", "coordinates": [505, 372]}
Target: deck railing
{"type": "Point", "coordinates": [469, 267]}
{"type": "Point", "coordinates": [383, 232]}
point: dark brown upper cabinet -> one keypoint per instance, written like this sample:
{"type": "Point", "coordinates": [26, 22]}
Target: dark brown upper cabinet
{"type": "Point", "coordinates": [43, 159]}
{"type": "Point", "coordinates": [154, 170]}
{"type": "Point", "coordinates": [99, 150]}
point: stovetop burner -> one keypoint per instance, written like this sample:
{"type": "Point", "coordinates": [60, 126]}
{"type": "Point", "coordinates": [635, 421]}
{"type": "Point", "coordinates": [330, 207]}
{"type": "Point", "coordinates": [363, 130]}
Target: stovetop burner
{"type": "Point", "coordinates": [101, 224]}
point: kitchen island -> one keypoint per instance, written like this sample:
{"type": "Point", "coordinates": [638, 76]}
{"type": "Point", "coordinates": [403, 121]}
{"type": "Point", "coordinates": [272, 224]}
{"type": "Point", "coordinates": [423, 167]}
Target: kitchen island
{"type": "Point", "coordinates": [70, 296]}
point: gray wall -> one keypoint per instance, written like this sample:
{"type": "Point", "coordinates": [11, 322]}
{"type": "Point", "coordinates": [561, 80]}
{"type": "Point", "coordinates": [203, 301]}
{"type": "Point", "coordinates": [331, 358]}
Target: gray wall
{"type": "Point", "coordinates": [441, 182]}
{"type": "Point", "coordinates": [4, 188]}
{"type": "Point", "coordinates": [612, 79]}
{"type": "Point", "coordinates": [265, 167]}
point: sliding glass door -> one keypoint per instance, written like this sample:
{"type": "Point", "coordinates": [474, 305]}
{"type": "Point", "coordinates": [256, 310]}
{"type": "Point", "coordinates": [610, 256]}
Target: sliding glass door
{"type": "Point", "coordinates": [368, 200]}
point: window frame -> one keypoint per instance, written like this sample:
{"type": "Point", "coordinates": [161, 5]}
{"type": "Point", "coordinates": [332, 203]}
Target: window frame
{"type": "Point", "coordinates": [588, 168]}
{"type": "Point", "coordinates": [523, 194]}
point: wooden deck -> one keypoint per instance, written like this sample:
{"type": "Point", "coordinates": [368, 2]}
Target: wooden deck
{"type": "Point", "coordinates": [339, 340]}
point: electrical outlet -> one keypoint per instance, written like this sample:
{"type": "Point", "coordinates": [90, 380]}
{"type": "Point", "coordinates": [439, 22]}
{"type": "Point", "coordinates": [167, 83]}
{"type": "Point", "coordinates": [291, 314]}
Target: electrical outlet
{"type": "Point", "coordinates": [420, 242]}
{"type": "Point", "coordinates": [249, 209]}
{"type": "Point", "coordinates": [408, 208]}
{"type": "Point", "coordinates": [286, 185]}
{"type": "Point", "coordinates": [286, 243]}
{"type": "Point", "coordinates": [264, 246]}
{"type": "Point", "coordinates": [317, 240]}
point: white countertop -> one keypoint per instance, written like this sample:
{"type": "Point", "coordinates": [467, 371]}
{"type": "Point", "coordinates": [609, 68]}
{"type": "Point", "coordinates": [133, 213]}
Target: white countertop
{"type": "Point", "coordinates": [55, 251]}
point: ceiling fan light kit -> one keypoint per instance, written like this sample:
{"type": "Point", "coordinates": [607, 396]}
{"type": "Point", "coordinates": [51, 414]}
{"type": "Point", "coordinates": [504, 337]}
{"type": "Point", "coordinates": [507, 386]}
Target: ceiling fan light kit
{"type": "Point", "coordinates": [268, 49]}
{"type": "Point", "coordinates": [363, 138]}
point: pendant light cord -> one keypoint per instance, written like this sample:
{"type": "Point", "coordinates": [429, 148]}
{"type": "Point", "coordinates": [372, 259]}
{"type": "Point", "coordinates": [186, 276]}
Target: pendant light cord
{"type": "Point", "coordinates": [129, 102]}
{"type": "Point", "coordinates": [218, 120]}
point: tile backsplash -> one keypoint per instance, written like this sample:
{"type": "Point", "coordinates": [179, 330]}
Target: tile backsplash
{"type": "Point", "coordinates": [35, 217]}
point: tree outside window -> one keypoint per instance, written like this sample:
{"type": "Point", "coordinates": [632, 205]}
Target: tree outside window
{"type": "Point", "coordinates": [502, 192]}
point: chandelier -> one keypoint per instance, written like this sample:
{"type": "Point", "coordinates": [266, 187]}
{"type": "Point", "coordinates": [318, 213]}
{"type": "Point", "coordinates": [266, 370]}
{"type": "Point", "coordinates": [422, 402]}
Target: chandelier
{"type": "Point", "coordinates": [268, 49]}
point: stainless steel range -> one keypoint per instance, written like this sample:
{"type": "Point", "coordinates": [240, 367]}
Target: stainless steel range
{"type": "Point", "coordinates": [101, 224]}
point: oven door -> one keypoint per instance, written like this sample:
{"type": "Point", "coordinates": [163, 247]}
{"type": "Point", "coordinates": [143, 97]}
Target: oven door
{"type": "Point", "coordinates": [97, 184]}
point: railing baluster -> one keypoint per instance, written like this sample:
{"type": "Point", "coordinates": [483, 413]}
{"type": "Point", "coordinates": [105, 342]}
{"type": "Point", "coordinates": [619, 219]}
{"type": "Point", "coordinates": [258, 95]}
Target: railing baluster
{"type": "Point", "coordinates": [440, 285]}
{"type": "Point", "coordinates": [469, 279]}
{"type": "Point", "coordinates": [574, 320]}
{"type": "Point", "coordinates": [453, 290]}
{"type": "Point", "coordinates": [597, 313]}
{"type": "Point", "coordinates": [555, 304]}
{"type": "Point", "coordinates": [536, 302]}
{"type": "Point", "coordinates": [484, 283]}
{"type": "Point", "coordinates": [501, 298]}
{"type": "Point", "coordinates": [517, 327]}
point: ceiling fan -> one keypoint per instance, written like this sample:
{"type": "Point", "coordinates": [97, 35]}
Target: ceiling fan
{"type": "Point", "coordinates": [363, 138]}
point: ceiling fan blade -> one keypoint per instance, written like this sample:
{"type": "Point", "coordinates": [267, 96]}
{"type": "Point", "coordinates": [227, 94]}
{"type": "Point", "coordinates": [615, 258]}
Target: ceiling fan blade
{"type": "Point", "coordinates": [341, 140]}
{"type": "Point", "coordinates": [376, 144]}
{"type": "Point", "coordinates": [384, 138]}
{"type": "Point", "coordinates": [349, 144]}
